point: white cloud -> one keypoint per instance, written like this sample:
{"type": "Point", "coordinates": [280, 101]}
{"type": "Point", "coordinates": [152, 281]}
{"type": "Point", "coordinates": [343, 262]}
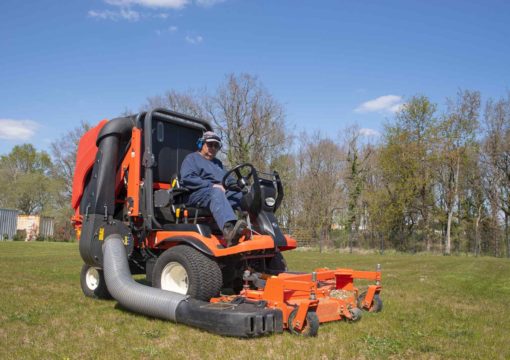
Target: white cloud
{"type": "Point", "coordinates": [129, 14]}
{"type": "Point", "coordinates": [194, 39]}
{"type": "Point", "coordinates": [388, 103]}
{"type": "Point", "coordinates": [122, 14]}
{"type": "Point", "coordinates": [17, 129]}
{"type": "Point", "coordinates": [368, 132]}
{"type": "Point", "coordinates": [125, 12]}
{"type": "Point", "coordinates": [100, 14]}
{"type": "Point", "coordinates": [171, 4]}
{"type": "Point", "coordinates": [170, 29]}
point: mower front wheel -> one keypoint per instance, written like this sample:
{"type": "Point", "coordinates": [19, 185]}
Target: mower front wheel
{"type": "Point", "coordinates": [184, 270]}
{"type": "Point", "coordinates": [355, 314]}
{"type": "Point", "coordinates": [375, 306]}
{"type": "Point", "coordinates": [93, 283]}
{"type": "Point", "coordinates": [310, 327]}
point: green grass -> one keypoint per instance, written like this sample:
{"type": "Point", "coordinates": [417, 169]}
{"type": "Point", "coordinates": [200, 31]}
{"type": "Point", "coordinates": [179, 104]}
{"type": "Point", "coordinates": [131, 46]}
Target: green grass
{"type": "Point", "coordinates": [434, 308]}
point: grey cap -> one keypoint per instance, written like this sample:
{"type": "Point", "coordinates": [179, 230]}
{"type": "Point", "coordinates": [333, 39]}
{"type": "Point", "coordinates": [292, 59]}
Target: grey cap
{"type": "Point", "coordinates": [211, 136]}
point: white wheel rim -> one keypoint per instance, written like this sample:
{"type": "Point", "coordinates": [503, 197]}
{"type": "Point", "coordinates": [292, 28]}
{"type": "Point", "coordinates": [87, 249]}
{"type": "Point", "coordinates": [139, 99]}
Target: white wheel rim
{"type": "Point", "coordinates": [92, 278]}
{"type": "Point", "coordinates": [174, 278]}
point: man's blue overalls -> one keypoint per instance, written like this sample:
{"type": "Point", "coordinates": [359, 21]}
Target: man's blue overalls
{"type": "Point", "coordinates": [199, 174]}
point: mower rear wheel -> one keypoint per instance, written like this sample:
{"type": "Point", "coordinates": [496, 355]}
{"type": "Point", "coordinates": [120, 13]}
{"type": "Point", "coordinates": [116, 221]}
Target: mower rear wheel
{"type": "Point", "coordinates": [92, 283]}
{"type": "Point", "coordinates": [375, 306]}
{"type": "Point", "coordinates": [184, 270]}
{"type": "Point", "coordinates": [311, 326]}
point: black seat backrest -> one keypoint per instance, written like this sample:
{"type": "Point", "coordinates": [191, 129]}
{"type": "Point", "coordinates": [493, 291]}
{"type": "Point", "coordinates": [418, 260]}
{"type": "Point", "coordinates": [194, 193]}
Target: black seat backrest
{"type": "Point", "coordinates": [170, 145]}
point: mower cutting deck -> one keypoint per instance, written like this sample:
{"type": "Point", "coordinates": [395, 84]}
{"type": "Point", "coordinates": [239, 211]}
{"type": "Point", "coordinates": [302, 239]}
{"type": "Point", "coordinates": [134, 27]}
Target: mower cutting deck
{"type": "Point", "coordinates": [131, 217]}
{"type": "Point", "coordinates": [306, 300]}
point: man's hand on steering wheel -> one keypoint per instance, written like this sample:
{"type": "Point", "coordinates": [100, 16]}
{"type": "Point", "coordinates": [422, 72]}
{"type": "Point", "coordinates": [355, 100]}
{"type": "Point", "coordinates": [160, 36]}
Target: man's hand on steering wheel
{"type": "Point", "coordinates": [243, 182]}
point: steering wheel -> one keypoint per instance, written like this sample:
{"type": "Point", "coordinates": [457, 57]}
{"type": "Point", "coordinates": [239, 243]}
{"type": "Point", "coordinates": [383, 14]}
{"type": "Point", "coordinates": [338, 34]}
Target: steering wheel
{"type": "Point", "coordinates": [243, 182]}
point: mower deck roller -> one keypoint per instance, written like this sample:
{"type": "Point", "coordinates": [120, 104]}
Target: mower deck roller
{"type": "Point", "coordinates": [131, 218]}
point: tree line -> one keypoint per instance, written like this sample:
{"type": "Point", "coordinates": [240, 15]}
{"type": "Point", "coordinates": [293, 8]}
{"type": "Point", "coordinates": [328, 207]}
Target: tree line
{"type": "Point", "coordinates": [434, 180]}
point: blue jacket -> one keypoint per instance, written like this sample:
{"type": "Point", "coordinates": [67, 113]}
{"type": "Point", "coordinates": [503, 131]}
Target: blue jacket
{"type": "Point", "coordinates": [197, 172]}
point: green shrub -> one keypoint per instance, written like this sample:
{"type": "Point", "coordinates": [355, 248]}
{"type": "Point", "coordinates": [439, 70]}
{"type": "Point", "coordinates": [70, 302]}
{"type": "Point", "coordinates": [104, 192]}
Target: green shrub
{"type": "Point", "coordinates": [20, 235]}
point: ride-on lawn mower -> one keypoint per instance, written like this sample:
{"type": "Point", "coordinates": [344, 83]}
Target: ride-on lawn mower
{"type": "Point", "coordinates": [131, 218]}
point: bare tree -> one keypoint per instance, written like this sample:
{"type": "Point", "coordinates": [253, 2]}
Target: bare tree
{"type": "Point", "coordinates": [319, 174]}
{"type": "Point", "coordinates": [355, 175]}
{"type": "Point", "coordinates": [457, 133]}
{"type": "Point", "coordinates": [473, 200]}
{"type": "Point", "coordinates": [64, 155]}
{"type": "Point", "coordinates": [286, 166]}
{"type": "Point", "coordinates": [63, 152]}
{"type": "Point", "coordinates": [190, 102]}
{"type": "Point", "coordinates": [250, 120]}
{"type": "Point", "coordinates": [497, 156]}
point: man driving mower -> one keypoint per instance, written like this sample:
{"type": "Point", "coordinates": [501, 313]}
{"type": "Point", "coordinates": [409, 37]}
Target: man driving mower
{"type": "Point", "coordinates": [202, 174]}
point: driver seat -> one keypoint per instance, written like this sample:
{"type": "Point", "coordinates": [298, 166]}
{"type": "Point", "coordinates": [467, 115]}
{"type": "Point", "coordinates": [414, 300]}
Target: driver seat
{"type": "Point", "coordinates": [170, 145]}
{"type": "Point", "coordinates": [171, 210]}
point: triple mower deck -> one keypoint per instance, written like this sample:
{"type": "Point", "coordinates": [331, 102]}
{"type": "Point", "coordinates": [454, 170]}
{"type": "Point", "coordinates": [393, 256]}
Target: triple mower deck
{"type": "Point", "coordinates": [306, 300]}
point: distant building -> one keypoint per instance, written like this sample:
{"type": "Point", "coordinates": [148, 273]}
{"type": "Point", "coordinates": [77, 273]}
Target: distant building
{"type": "Point", "coordinates": [36, 226]}
{"type": "Point", "coordinates": [8, 221]}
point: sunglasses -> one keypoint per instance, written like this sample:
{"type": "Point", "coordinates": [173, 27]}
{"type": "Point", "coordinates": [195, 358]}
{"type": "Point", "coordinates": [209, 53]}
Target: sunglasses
{"type": "Point", "coordinates": [213, 145]}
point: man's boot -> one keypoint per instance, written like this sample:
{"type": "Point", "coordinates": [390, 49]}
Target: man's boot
{"type": "Point", "coordinates": [232, 232]}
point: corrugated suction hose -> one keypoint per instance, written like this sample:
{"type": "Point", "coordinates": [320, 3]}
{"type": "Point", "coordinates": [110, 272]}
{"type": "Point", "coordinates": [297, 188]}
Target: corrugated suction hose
{"type": "Point", "coordinates": [239, 320]}
{"type": "Point", "coordinates": [130, 294]}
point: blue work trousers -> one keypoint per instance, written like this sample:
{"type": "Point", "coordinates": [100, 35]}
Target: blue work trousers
{"type": "Point", "coordinates": [219, 203]}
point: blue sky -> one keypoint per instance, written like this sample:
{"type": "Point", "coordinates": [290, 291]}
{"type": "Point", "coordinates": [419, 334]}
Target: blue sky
{"type": "Point", "coordinates": [330, 63]}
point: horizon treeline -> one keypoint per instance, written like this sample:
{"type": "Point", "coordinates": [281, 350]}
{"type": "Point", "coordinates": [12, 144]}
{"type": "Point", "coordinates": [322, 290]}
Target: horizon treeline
{"type": "Point", "coordinates": [435, 180]}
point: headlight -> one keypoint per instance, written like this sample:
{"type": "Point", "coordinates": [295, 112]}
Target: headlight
{"type": "Point", "coordinates": [270, 201]}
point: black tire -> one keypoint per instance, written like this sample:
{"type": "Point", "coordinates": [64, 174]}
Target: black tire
{"type": "Point", "coordinates": [93, 284]}
{"type": "Point", "coordinates": [356, 314]}
{"type": "Point", "coordinates": [203, 278]}
{"type": "Point", "coordinates": [376, 305]}
{"type": "Point", "coordinates": [311, 326]}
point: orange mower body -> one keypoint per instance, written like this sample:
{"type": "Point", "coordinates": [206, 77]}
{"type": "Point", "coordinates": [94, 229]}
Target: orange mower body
{"type": "Point", "coordinates": [127, 193]}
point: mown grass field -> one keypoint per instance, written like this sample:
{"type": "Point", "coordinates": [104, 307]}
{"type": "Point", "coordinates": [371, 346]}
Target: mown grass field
{"type": "Point", "coordinates": [434, 308]}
